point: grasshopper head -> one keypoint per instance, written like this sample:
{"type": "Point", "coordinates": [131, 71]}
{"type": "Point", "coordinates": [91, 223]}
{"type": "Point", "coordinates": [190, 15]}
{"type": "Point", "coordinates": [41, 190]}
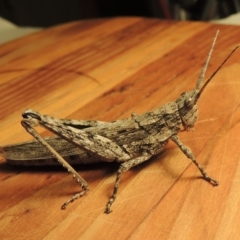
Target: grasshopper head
{"type": "Point", "coordinates": [187, 108]}
{"type": "Point", "coordinates": [187, 102]}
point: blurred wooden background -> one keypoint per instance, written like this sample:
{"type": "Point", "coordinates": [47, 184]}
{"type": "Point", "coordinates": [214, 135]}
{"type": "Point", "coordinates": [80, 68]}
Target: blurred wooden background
{"type": "Point", "coordinates": [106, 69]}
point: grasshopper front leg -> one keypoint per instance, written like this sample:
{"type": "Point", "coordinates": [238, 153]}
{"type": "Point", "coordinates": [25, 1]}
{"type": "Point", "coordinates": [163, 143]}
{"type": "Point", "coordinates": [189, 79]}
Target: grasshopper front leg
{"type": "Point", "coordinates": [190, 155]}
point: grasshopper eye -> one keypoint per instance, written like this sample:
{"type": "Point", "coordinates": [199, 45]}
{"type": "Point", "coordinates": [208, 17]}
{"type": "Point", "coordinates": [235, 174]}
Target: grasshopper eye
{"type": "Point", "coordinates": [188, 103]}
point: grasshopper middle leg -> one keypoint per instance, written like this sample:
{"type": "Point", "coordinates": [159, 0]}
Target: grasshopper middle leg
{"type": "Point", "coordinates": [125, 166]}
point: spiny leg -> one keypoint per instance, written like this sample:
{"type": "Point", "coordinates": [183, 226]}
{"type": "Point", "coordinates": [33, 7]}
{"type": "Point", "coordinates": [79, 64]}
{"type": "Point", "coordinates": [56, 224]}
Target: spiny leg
{"type": "Point", "coordinates": [73, 131]}
{"type": "Point", "coordinates": [80, 124]}
{"type": "Point", "coordinates": [103, 147]}
{"type": "Point", "coordinates": [79, 179]}
{"type": "Point", "coordinates": [190, 155]}
{"type": "Point", "coordinates": [125, 166]}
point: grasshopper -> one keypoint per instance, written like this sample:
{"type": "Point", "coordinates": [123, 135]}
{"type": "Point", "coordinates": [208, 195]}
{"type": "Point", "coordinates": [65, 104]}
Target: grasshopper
{"type": "Point", "coordinates": [129, 141]}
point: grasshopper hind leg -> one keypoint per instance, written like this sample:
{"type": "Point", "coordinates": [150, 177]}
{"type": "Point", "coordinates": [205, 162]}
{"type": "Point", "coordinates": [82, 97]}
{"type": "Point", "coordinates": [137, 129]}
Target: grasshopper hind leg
{"type": "Point", "coordinates": [63, 162]}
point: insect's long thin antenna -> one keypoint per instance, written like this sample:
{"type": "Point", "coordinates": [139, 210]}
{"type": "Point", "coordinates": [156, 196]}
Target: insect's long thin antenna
{"type": "Point", "coordinates": [202, 74]}
{"type": "Point", "coordinates": [206, 83]}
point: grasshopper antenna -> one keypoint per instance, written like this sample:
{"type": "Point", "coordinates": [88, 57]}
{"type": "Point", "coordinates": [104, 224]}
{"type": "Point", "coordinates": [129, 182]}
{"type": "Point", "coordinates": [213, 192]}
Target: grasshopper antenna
{"type": "Point", "coordinates": [202, 74]}
{"type": "Point", "coordinates": [206, 83]}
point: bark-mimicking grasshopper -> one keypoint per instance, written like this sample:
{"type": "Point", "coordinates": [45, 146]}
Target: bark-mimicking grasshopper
{"type": "Point", "coordinates": [129, 141]}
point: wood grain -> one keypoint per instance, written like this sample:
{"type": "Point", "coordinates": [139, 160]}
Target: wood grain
{"type": "Point", "coordinates": [106, 69]}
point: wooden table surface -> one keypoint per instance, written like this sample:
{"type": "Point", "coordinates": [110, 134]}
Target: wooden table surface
{"type": "Point", "coordinates": [106, 69]}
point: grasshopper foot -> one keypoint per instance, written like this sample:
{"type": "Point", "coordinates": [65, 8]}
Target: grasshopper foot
{"type": "Point", "coordinates": [76, 196]}
{"type": "Point", "coordinates": [212, 181]}
{"type": "Point", "coordinates": [107, 210]}
{"type": "Point", "coordinates": [109, 204]}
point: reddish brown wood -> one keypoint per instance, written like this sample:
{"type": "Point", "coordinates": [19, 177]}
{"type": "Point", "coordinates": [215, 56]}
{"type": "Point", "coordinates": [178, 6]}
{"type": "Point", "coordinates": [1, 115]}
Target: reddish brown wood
{"type": "Point", "coordinates": [105, 70]}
